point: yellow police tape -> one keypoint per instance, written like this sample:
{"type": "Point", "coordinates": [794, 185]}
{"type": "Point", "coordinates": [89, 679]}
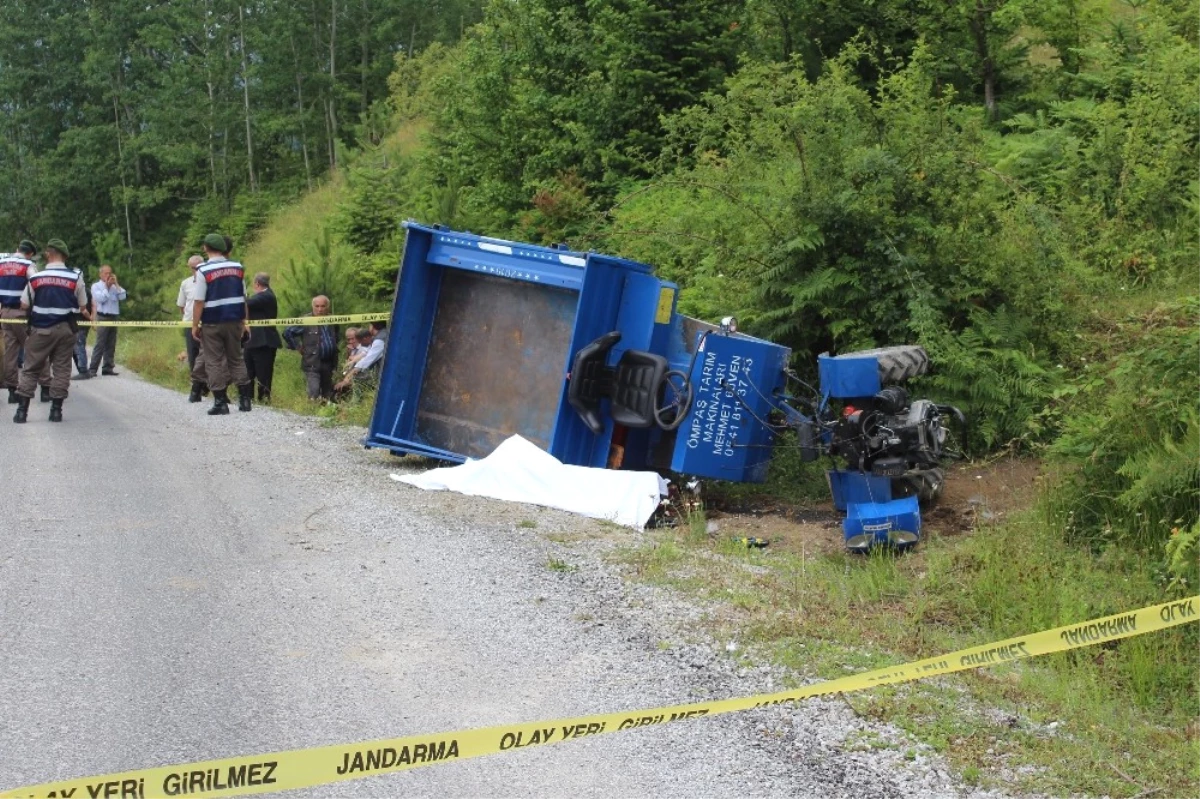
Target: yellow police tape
{"type": "Point", "coordinates": [303, 768]}
{"type": "Point", "coordinates": [289, 321]}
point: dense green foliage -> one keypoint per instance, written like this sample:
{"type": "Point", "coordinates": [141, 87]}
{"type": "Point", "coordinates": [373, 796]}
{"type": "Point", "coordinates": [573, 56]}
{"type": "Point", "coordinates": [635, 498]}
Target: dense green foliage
{"type": "Point", "coordinates": [1012, 185]}
{"type": "Point", "coordinates": [1135, 433]}
{"type": "Point", "coordinates": [123, 121]}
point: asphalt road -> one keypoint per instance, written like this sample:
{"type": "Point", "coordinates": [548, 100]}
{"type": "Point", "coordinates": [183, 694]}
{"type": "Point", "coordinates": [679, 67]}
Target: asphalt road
{"type": "Point", "coordinates": [175, 587]}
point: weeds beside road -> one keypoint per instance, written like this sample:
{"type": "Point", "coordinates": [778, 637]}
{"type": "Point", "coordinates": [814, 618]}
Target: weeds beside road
{"type": "Point", "coordinates": [1118, 720]}
{"type": "Point", "coordinates": [154, 354]}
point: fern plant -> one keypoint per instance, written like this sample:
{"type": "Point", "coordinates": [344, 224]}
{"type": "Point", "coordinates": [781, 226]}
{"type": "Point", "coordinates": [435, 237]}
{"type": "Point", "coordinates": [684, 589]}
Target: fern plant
{"type": "Point", "coordinates": [1135, 444]}
{"type": "Point", "coordinates": [1164, 476]}
{"type": "Point", "coordinates": [989, 371]}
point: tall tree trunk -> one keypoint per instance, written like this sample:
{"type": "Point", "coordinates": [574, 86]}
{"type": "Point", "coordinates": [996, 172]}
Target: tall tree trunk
{"type": "Point", "coordinates": [300, 112]}
{"type": "Point", "coordinates": [226, 180]}
{"type": "Point", "coordinates": [121, 167]}
{"type": "Point", "coordinates": [210, 119]}
{"type": "Point", "coordinates": [212, 137]}
{"type": "Point", "coordinates": [785, 30]}
{"type": "Point", "coordinates": [246, 97]}
{"type": "Point", "coordinates": [365, 45]}
{"type": "Point", "coordinates": [332, 109]}
{"type": "Point", "coordinates": [319, 68]}
{"type": "Point", "coordinates": [987, 66]}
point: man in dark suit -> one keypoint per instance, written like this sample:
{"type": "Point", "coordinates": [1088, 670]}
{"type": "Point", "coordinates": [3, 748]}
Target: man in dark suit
{"type": "Point", "coordinates": [259, 350]}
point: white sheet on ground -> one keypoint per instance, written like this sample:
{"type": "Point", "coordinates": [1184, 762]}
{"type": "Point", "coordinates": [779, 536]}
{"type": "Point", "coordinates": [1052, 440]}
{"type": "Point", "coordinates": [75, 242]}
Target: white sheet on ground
{"type": "Point", "coordinates": [518, 471]}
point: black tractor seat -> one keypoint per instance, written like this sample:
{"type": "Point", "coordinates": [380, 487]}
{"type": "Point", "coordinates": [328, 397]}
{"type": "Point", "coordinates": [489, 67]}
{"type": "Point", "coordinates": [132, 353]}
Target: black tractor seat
{"type": "Point", "coordinates": [632, 386]}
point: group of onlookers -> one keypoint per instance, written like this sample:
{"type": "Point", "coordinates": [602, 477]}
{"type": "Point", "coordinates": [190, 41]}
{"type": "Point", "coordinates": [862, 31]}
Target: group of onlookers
{"type": "Point", "coordinates": [40, 313]}
{"type": "Point", "coordinates": [317, 344]}
{"type": "Point", "coordinates": [259, 344]}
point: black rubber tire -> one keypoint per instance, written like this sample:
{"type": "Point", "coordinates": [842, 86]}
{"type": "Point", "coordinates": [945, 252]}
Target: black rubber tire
{"type": "Point", "coordinates": [897, 364]}
{"type": "Point", "coordinates": [924, 484]}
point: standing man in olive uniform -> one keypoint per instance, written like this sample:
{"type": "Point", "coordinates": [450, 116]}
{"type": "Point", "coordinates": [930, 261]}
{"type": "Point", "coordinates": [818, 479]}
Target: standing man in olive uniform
{"type": "Point", "coordinates": [218, 322]}
{"type": "Point", "coordinates": [53, 297]}
{"type": "Point", "coordinates": [15, 271]}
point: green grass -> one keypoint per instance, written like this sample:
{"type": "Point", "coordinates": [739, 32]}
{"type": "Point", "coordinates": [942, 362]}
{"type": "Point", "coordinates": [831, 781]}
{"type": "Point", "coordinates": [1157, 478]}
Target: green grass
{"type": "Point", "coordinates": [561, 566]}
{"type": "Point", "coordinates": [289, 234]}
{"type": "Point", "coordinates": [789, 480]}
{"type": "Point", "coordinates": [1118, 720]}
{"type": "Point", "coordinates": [153, 354]}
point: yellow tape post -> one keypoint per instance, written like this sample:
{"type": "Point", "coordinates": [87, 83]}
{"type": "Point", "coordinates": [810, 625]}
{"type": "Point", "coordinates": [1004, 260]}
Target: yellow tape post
{"type": "Point", "coordinates": [304, 321]}
{"type": "Point", "coordinates": [304, 768]}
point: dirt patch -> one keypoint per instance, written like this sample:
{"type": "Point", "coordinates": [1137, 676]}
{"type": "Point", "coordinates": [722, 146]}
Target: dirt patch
{"type": "Point", "coordinates": [976, 493]}
{"type": "Point", "coordinates": [814, 536]}
{"type": "Point", "coordinates": [998, 487]}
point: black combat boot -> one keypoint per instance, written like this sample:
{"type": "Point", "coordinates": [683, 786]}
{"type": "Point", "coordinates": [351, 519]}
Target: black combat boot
{"type": "Point", "coordinates": [12, 396]}
{"type": "Point", "coordinates": [220, 403]}
{"type": "Point", "coordinates": [245, 393]}
{"type": "Point", "coordinates": [197, 391]}
{"type": "Point", "coordinates": [45, 393]}
{"type": "Point", "coordinates": [22, 414]}
{"type": "Point", "coordinates": [56, 410]}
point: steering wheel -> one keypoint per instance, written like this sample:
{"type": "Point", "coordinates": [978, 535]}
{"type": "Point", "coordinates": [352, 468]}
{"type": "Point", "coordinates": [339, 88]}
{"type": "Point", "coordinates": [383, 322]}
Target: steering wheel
{"type": "Point", "coordinates": [674, 400]}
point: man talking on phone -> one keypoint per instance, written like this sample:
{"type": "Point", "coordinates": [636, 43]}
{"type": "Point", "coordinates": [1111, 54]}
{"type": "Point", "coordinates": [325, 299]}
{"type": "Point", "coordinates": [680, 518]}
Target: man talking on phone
{"type": "Point", "coordinates": [107, 296]}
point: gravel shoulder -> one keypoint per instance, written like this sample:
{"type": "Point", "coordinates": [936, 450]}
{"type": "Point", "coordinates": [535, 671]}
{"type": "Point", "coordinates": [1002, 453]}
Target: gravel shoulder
{"type": "Point", "coordinates": [312, 600]}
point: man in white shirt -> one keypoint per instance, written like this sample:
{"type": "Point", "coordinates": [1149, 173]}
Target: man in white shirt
{"type": "Point", "coordinates": [365, 369]}
{"type": "Point", "coordinates": [187, 295]}
{"type": "Point", "coordinates": [107, 296]}
{"type": "Point", "coordinates": [355, 349]}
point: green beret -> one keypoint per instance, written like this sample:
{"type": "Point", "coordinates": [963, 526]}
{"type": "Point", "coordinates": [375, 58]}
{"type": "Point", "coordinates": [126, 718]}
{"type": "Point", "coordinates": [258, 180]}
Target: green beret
{"type": "Point", "coordinates": [215, 242]}
{"type": "Point", "coordinates": [60, 245]}
{"type": "Point", "coordinates": [28, 247]}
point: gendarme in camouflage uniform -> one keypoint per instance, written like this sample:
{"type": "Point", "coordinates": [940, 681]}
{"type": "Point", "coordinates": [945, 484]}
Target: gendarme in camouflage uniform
{"type": "Point", "coordinates": [53, 297]}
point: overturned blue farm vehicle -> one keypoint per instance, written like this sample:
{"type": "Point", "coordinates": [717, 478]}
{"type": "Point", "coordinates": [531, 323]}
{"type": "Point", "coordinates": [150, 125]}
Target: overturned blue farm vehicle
{"type": "Point", "coordinates": [585, 355]}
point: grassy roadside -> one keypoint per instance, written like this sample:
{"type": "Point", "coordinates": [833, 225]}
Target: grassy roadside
{"type": "Point", "coordinates": [154, 355]}
{"type": "Point", "coordinates": [1119, 720]}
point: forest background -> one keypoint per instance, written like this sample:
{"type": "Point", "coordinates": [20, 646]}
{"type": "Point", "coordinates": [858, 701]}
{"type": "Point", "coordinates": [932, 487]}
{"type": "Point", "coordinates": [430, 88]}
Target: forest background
{"type": "Point", "coordinates": [1012, 184]}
